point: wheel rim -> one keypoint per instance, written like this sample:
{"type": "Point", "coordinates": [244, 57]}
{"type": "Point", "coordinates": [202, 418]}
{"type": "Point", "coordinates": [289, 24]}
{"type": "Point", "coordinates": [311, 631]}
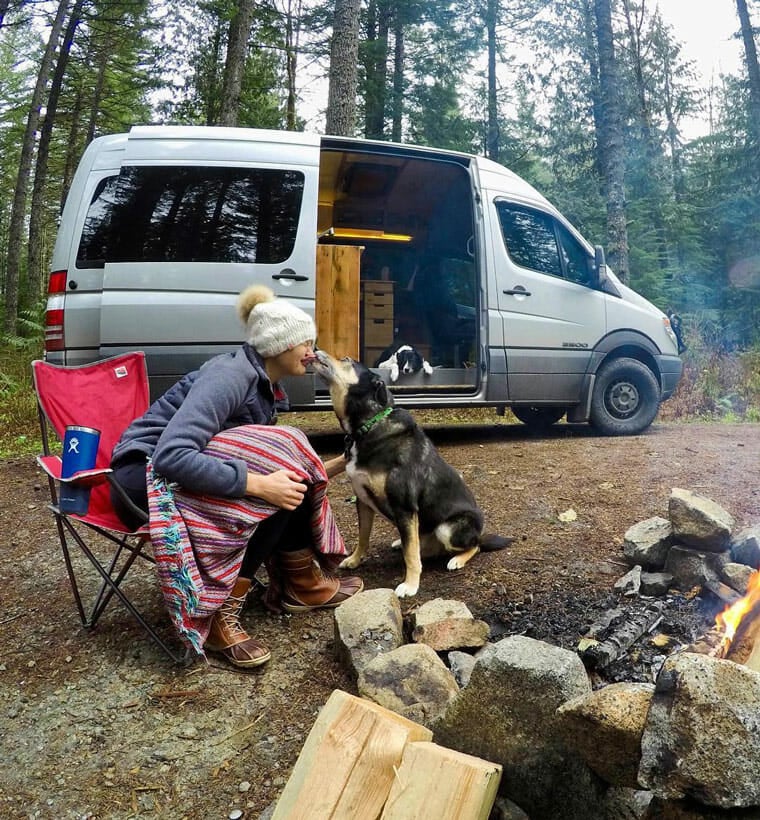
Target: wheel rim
{"type": "Point", "coordinates": [622, 399]}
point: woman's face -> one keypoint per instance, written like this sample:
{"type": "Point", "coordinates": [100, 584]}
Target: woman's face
{"type": "Point", "coordinates": [293, 362]}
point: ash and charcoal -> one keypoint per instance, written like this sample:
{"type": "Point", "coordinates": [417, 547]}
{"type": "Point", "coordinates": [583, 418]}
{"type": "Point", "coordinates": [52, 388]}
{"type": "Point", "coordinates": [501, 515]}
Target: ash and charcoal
{"type": "Point", "coordinates": [564, 619]}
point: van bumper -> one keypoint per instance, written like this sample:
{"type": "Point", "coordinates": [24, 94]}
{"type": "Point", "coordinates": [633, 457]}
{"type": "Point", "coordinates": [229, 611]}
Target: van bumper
{"type": "Point", "coordinates": [671, 370]}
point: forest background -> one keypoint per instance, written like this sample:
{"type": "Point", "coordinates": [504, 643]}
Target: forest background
{"type": "Point", "coordinates": [586, 99]}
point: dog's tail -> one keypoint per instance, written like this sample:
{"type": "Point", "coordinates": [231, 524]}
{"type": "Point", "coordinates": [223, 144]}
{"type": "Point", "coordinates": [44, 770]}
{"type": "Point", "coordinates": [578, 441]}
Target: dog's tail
{"type": "Point", "coordinates": [490, 542]}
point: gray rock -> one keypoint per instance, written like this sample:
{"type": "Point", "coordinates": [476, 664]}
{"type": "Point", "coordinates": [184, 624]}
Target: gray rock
{"type": "Point", "coordinates": [699, 522]}
{"type": "Point", "coordinates": [647, 543]}
{"type": "Point", "coordinates": [737, 576]}
{"type": "Point", "coordinates": [655, 584]}
{"type": "Point", "coordinates": [745, 548]}
{"type": "Point", "coordinates": [507, 714]}
{"type": "Point", "coordinates": [461, 665]}
{"type": "Point", "coordinates": [630, 583]}
{"type": "Point", "coordinates": [367, 625]}
{"type": "Point", "coordinates": [504, 809]}
{"type": "Point", "coordinates": [621, 803]}
{"type": "Point", "coordinates": [605, 729]}
{"type": "Point", "coordinates": [702, 736]}
{"type": "Point", "coordinates": [690, 567]}
{"type": "Point", "coordinates": [411, 681]}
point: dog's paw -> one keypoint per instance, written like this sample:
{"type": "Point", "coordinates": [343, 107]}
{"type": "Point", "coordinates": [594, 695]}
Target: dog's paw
{"type": "Point", "coordinates": [394, 373]}
{"type": "Point", "coordinates": [396, 545]}
{"type": "Point", "coordinates": [352, 562]}
{"type": "Point", "coordinates": [427, 368]}
{"type": "Point", "coordinates": [457, 562]}
{"type": "Point", "coordinates": [406, 590]}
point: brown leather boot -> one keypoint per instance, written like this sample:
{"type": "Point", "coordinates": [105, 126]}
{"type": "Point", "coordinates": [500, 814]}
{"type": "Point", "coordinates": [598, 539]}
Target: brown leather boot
{"type": "Point", "coordinates": [229, 638]}
{"type": "Point", "coordinates": [307, 586]}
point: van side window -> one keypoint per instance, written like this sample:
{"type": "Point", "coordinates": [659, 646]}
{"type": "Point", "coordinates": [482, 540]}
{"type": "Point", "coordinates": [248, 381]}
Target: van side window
{"type": "Point", "coordinates": [193, 214]}
{"type": "Point", "coordinates": [537, 241]}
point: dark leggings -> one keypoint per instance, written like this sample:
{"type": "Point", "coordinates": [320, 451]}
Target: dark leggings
{"type": "Point", "coordinates": [284, 531]}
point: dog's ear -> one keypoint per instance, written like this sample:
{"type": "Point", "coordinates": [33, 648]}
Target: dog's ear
{"type": "Point", "coordinates": [380, 391]}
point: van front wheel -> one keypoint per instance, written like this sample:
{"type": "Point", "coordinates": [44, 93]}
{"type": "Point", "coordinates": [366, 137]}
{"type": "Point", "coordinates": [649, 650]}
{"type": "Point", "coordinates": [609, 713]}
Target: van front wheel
{"type": "Point", "coordinates": [626, 398]}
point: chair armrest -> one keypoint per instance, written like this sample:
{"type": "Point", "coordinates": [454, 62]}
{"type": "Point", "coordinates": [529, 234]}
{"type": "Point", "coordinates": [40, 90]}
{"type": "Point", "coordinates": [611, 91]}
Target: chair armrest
{"type": "Point", "coordinates": [89, 478]}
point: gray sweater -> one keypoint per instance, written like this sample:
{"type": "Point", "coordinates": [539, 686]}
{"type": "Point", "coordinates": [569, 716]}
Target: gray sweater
{"type": "Point", "coordinates": [229, 390]}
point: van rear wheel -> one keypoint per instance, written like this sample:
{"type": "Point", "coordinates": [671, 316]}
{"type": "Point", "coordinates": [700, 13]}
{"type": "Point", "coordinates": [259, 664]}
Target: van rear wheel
{"type": "Point", "coordinates": [626, 398]}
{"type": "Point", "coordinates": [537, 418]}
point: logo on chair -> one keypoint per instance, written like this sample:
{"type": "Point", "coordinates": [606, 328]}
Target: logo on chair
{"type": "Point", "coordinates": [121, 371]}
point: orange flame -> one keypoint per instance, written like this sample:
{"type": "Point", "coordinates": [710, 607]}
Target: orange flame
{"type": "Point", "coordinates": [731, 617]}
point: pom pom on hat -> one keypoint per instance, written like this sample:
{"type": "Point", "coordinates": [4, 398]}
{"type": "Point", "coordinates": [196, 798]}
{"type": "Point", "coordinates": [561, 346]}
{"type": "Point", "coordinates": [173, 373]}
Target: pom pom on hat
{"type": "Point", "coordinates": [273, 325]}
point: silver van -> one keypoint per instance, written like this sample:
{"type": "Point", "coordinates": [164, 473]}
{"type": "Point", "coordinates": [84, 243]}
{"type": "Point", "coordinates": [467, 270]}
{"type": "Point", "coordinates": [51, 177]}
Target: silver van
{"type": "Point", "coordinates": [459, 257]}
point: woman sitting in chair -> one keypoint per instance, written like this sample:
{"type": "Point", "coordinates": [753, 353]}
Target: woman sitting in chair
{"type": "Point", "coordinates": [199, 435]}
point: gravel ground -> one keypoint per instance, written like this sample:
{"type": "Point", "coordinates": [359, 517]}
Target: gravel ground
{"type": "Point", "coordinates": [101, 725]}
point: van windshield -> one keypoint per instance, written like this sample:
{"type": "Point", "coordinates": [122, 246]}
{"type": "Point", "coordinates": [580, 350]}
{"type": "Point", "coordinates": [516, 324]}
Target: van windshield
{"type": "Point", "coordinates": [192, 214]}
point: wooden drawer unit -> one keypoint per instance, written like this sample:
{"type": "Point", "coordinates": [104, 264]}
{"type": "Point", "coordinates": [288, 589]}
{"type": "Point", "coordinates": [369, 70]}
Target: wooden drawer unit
{"type": "Point", "coordinates": [377, 314]}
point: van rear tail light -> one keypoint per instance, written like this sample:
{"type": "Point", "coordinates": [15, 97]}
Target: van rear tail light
{"type": "Point", "coordinates": [54, 311]}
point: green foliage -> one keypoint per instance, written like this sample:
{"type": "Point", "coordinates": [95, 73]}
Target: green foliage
{"type": "Point", "coordinates": [202, 30]}
{"type": "Point", "coordinates": [19, 427]}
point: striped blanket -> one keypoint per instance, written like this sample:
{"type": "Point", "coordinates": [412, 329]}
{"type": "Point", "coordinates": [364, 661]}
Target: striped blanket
{"type": "Point", "coordinates": [199, 540]}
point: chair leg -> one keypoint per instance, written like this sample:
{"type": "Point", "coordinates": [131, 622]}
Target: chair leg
{"type": "Point", "coordinates": [106, 589]}
{"type": "Point", "coordinates": [113, 587]}
{"type": "Point", "coordinates": [70, 570]}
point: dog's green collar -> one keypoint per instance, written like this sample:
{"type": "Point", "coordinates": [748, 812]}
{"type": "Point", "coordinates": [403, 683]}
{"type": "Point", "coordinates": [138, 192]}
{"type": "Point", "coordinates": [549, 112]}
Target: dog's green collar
{"type": "Point", "coordinates": [370, 423]}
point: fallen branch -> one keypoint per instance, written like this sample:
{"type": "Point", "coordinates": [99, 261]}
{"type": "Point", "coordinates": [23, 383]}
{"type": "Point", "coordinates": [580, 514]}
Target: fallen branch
{"type": "Point", "coordinates": [238, 732]}
{"type": "Point", "coordinates": [621, 636]}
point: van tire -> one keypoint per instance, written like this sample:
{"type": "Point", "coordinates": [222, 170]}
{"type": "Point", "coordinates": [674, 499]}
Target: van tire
{"type": "Point", "coordinates": [537, 418]}
{"type": "Point", "coordinates": [626, 398]}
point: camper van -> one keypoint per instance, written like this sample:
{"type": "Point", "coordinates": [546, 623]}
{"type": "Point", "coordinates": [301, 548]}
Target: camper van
{"type": "Point", "coordinates": [448, 252]}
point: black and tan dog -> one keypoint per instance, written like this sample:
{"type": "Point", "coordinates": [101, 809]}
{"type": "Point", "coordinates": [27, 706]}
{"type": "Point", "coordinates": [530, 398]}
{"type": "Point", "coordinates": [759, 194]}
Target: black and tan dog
{"type": "Point", "coordinates": [396, 471]}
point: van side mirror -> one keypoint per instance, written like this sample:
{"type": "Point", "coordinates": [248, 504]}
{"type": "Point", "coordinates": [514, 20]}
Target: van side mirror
{"type": "Point", "coordinates": [600, 265]}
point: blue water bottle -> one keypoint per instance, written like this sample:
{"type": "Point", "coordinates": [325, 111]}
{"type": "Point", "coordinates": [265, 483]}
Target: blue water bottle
{"type": "Point", "coordinates": [80, 449]}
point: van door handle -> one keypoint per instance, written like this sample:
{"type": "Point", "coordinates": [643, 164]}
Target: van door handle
{"type": "Point", "coordinates": [518, 290]}
{"type": "Point", "coordinates": [289, 273]}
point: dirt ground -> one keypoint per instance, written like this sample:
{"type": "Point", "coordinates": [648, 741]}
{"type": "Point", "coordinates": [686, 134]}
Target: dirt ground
{"type": "Point", "coordinates": [101, 725]}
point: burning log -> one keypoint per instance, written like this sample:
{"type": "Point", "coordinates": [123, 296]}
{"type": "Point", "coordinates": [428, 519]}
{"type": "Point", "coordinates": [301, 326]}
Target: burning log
{"type": "Point", "coordinates": [745, 646]}
{"type": "Point", "coordinates": [615, 644]}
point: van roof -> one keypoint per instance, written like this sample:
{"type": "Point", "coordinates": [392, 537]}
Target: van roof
{"type": "Point", "coordinates": [492, 174]}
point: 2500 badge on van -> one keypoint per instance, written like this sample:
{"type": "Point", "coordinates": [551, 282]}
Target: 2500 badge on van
{"type": "Point", "coordinates": [450, 253]}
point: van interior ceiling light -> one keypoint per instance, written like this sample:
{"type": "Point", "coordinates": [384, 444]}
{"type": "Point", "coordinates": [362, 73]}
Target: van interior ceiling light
{"type": "Point", "coordinates": [367, 233]}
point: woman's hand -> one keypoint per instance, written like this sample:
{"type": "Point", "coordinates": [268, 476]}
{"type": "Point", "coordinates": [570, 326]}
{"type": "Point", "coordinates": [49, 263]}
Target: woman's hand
{"type": "Point", "coordinates": [283, 488]}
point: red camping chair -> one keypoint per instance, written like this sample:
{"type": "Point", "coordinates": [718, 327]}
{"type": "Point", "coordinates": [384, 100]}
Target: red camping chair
{"type": "Point", "coordinates": [107, 395]}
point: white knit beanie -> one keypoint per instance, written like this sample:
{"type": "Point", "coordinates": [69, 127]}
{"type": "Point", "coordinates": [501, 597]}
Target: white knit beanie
{"type": "Point", "coordinates": [273, 325]}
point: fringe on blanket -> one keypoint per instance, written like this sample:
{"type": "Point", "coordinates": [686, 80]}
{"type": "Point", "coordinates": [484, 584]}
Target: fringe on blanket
{"type": "Point", "coordinates": [177, 572]}
{"type": "Point", "coordinates": [199, 541]}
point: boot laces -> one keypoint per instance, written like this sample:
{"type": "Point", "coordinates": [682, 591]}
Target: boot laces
{"type": "Point", "coordinates": [229, 615]}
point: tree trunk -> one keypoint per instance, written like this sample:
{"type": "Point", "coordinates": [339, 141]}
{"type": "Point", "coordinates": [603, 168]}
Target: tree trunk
{"type": "Point", "coordinates": [344, 54]}
{"type": "Point", "coordinates": [753, 70]}
{"type": "Point", "coordinates": [97, 95]}
{"type": "Point", "coordinates": [397, 115]}
{"type": "Point", "coordinates": [18, 209]}
{"type": "Point", "coordinates": [492, 135]}
{"type": "Point", "coordinates": [35, 254]}
{"type": "Point", "coordinates": [634, 17]}
{"type": "Point", "coordinates": [72, 148]}
{"type": "Point", "coordinates": [234, 67]}
{"type": "Point", "coordinates": [291, 58]}
{"type": "Point", "coordinates": [610, 137]}
{"type": "Point", "coordinates": [378, 25]}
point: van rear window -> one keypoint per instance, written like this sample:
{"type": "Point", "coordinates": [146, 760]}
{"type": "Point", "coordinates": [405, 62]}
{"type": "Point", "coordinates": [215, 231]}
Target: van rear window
{"type": "Point", "coordinates": [192, 214]}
